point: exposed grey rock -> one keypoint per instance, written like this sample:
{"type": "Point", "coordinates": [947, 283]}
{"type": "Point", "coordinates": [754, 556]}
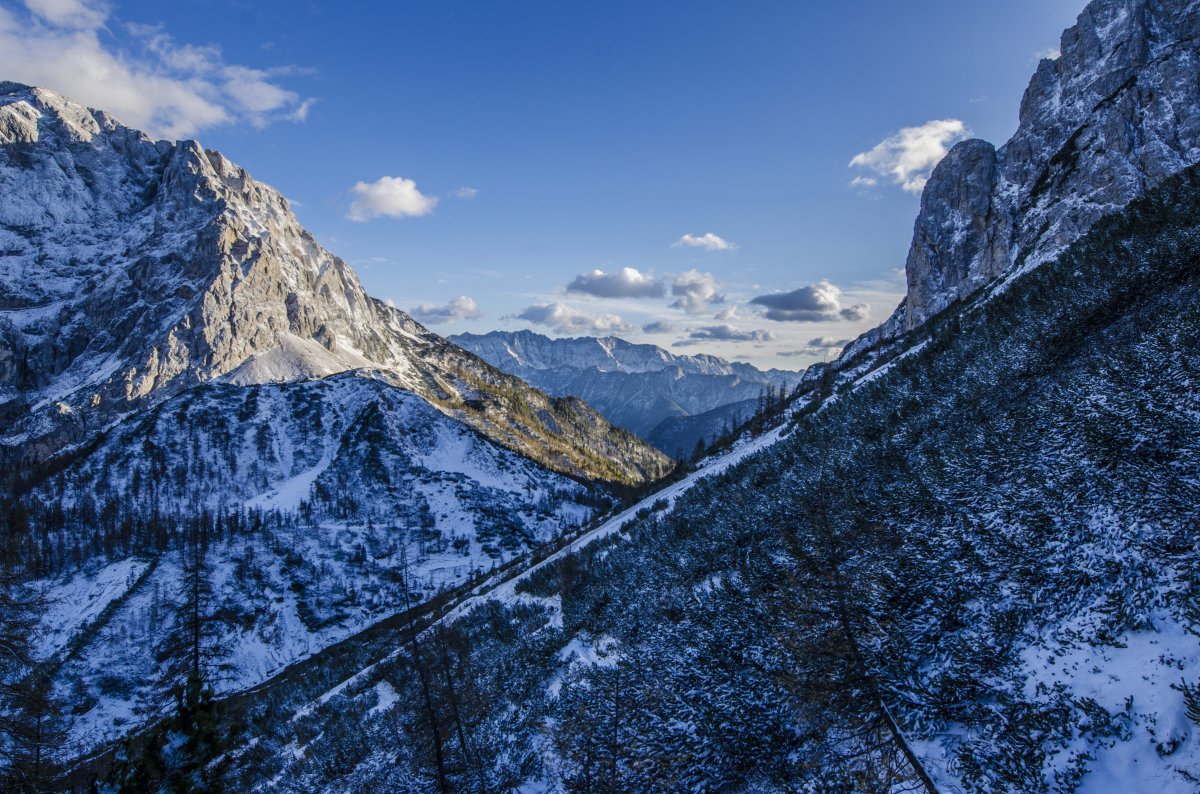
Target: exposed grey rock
{"type": "Point", "coordinates": [131, 270]}
{"type": "Point", "coordinates": [1111, 117]}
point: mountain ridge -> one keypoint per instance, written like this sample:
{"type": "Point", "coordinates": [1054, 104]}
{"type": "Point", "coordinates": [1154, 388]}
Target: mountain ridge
{"type": "Point", "coordinates": [639, 387]}
{"type": "Point", "coordinates": [135, 269]}
{"type": "Point", "coordinates": [606, 354]}
{"type": "Point", "coordinates": [1107, 119]}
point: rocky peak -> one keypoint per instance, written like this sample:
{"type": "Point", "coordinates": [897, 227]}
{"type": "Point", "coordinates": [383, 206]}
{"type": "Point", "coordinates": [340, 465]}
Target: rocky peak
{"type": "Point", "coordinates": [131, 270]}
{"type": "Point", "coordinates": [523, 351]}
{"type": "Point", "coordinates": [1111, 117]}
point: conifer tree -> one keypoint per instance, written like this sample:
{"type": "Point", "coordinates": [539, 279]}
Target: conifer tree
{"type": "Point", "coordinates": [24, 694]}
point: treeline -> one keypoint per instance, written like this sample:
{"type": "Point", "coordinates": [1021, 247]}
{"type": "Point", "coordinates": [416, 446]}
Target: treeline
{"type": "Point", "coordinates": [46, 538]}
{"type": "Point", "coordinates": [771, 404]}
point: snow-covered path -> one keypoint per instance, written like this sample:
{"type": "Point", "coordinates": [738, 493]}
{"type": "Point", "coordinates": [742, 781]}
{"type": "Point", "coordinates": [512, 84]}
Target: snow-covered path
{"type": "Point", "coordinates": [507, 590]}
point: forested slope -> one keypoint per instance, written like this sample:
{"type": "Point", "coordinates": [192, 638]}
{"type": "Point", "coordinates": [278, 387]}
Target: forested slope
{"type": "Point", "coordinates": [992, 538]}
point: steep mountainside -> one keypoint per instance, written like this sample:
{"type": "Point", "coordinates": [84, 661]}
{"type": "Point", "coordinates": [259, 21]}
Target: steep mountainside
{"type": "Point", "coordinates": [985, 547]}
{"type": "Point", "coordinates": [970, 561]}
{"type": "Point", "coordinates": [637, 387]}
{"type": "Point", "coordinates": [134, 269]}
{"type": "Point", "coordinates": [215, 443]}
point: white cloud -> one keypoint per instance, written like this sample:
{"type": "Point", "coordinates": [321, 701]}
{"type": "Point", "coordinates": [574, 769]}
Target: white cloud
{"type": "Point", "coordinates": [908, 157]}
{"type": "Point", "coordinates": [565, 319]}
{"type": "Point", "coordinates": [464, 193]}
{"type": "Point", "coordinates": [150, 82]}
{"type": "Point", "coordinates": [820, 302]}
{"type": "Point", "coordinates": [825, 346]}
{"type": "Point", "coordinates": [826, 343]}
{"type": "Point", "coordinates": [1050, 53]}
{"type": "Point", "coordinates": [856, 313]}
{"type": "Point", "coordinates": [390, 196]}
{"type": "Point", "coordinates": [74, 14]}
{"type": "Point", "coordinates": [708, 241]}
{"type": "Point", "coordinates": [723, 333]}
{"type": "Point", "coordinates": [695, 291]}
{"type": "Point", "coordinates": [628, 283]}
{"type": "Point", "coordinates": [864, 181]}
{"type": "Point", "coordinates": [460, 308]}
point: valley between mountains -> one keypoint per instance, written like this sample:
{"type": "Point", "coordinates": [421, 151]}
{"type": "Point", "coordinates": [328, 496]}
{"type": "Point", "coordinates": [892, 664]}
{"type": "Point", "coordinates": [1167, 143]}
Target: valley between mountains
{"type": "Point", "coordinates": [265, 532]}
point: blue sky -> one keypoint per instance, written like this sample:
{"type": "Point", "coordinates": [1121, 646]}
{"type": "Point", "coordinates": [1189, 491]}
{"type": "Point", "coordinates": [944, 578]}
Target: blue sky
{"type": "Point", "coordinates": [505, 151]}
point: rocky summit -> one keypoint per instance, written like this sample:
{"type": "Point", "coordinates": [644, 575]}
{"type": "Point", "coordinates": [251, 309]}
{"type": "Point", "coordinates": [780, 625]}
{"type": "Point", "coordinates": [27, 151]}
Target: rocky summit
{"type": "Point", "coordinates": [134, 269]}
{"type": "Point", "coordinates": [1107, 119]}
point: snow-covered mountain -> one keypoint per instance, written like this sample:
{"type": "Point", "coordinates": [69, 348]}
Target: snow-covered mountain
{"type": "Point", "coordinates": [180, 359]}
{"type": "Point", "coordinates": [135, 269]}
{"type": "Point", "coordinates": [637, 387]}
{"type": "Point", "coordinates": [968, 561]}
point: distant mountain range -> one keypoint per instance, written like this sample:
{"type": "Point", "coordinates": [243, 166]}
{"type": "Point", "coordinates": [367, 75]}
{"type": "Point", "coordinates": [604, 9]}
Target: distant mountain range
{"type": "Point", "coordinates": [672, 401]}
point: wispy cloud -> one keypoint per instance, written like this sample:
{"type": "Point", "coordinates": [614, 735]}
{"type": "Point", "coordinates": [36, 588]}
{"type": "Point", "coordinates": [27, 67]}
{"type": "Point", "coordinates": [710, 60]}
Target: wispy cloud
{"type": "Point", "coordinates": [626, 283]}
{"type": "Point", "coordinates": [569, 320]}
{"type": "Point", "coordinates": [152, 82]}
{"type": "Point", "coordinates": [389, 196]}
{"type": "Point", "coordinates": [908, 157]}
{"type": "Point", "coordinates": [819, 302]}
{"type": "Point", "coordinates": [695, 292]}
{"type": "Point", "coordinates": [74, 14]}
{"type": "Point", "coordinates": [460, 308]}
{"type": "Point", "coordinates": [708, 241]}
{"type": "Point", "coordinates": [722, 333]}
{"type": "Point", "coordinates": [464, 193]}
{"type": "Point", "coordinates": [658, 327]}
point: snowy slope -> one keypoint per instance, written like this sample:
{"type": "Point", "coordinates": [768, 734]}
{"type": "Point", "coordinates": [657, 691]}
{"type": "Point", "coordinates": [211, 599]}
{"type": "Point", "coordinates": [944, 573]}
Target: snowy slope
{"type": "Point", "coordinates": [981, 524]}
{"type": "Point", "coordinates": [1011, 501]}
{"type": "Point", "coordinates": [352, 481]}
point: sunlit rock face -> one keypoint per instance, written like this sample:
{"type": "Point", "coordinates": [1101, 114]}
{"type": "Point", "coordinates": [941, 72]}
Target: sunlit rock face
{"type": "Point", "coordinates": [1111, 117]}
{"type": "Point", "coordinates": [132, 270]}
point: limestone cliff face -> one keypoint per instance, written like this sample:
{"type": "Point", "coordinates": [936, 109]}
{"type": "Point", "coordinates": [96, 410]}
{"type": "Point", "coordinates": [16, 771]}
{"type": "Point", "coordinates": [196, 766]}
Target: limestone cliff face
{"type": "Point", "coordinates": [132, 269]}
{"type": "Point", "coordinates": [1116, 113]}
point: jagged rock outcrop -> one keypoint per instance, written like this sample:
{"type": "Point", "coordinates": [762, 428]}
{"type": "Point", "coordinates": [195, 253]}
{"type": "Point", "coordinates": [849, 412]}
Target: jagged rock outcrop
{"type": "Point", "coordinates": [1110, 118]}
{"type": "Point", "coordinates": [132, 269]}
